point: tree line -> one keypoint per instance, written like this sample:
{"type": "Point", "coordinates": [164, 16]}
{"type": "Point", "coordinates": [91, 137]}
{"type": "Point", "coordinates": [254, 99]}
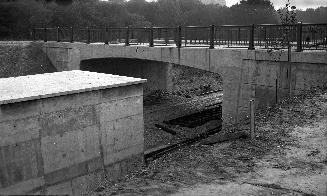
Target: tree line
{"type": "Point", "coordinates": [18, 17]}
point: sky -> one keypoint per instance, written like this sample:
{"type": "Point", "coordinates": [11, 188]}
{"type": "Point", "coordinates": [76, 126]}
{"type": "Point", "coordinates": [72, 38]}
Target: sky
{"type": "Point", "coordinates": [300, 4]}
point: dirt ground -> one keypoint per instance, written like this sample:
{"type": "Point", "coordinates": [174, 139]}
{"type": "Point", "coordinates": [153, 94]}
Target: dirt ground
{"type": "Point", "coordinates": [287, 157]}
{"type": "Point", "coordinates": [20, 58]}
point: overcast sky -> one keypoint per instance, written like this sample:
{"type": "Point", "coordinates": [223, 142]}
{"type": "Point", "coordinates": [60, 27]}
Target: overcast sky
{"type": "Point", "coordinates": [301, 4]}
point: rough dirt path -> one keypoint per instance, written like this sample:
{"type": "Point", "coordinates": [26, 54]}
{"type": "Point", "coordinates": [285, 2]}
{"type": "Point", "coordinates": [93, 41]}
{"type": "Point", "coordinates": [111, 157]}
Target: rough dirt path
{"type": "Point", "coordinates": [288, 157]}
{"type": "Point", "coordinates": [297, 166]}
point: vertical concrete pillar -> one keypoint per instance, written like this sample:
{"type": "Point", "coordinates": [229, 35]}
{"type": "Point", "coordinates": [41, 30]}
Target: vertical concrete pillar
{"type": "Point", "coordinates": [64, 58]}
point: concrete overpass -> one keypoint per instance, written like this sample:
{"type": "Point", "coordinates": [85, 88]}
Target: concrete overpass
{"type": "Point", "coordinates": [264, 76]}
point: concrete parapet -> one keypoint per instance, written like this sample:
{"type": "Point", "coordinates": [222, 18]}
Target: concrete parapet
{"type": "Point", "coordinates": [65, 142]}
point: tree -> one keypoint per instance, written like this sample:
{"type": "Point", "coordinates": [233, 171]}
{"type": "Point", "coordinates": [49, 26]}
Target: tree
{"type": "Point", "coordinates": [253, 12]}
{"type": "Point", "coordinates": [169, 13]}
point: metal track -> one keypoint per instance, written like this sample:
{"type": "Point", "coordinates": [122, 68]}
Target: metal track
{"type": "Point", "coordinates": [166, 129]}
{"type": "Point", "coordinates": [198, 118]}
{"type": "Point", "coordinates": [154, 154]}
{"type": "Point", "coordinates": [200, 91]}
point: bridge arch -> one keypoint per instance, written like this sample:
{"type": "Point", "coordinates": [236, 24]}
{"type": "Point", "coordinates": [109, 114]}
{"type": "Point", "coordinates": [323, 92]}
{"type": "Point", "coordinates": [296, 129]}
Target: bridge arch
{"type": "Point", "coordinates": [247, 74]}
{"type": "Point", "coordinates": [158, 74]}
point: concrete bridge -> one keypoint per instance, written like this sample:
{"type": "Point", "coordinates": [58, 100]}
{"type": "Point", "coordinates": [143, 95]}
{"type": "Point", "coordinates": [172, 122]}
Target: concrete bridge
{"type": "Point", "coordinates": [66, 140]}
{"type": "Point", "coordinates": [267, 77]}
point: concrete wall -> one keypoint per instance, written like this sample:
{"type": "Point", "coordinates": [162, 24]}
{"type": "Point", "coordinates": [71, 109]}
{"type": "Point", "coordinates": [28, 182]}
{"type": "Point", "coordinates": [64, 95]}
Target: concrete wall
{"type": "Point", "coordinates": [68, 144]}
{"type": "Point", "coordinates": [156, 73]}
{"type": "Point", "coordinates": [247, 74]}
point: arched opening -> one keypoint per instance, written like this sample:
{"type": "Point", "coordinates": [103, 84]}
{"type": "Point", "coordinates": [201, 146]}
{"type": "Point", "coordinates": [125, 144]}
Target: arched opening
{"type": "Point", "coordinates": [180, 102]}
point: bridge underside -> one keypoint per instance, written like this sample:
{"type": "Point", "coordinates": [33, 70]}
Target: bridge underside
{"type": "Point", "coordinates": [157, 73]}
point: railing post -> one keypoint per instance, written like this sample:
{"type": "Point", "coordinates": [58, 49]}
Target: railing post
{"type": "Point", "coordinates": [88, 35]}
{"type": "Point", "coordinates": [58, 38]}
{"type": "Point", "coordinates": [299, 37]}
{"type": "Point", "coordinates": [71, 35]}
{"type": "Point", "coordinates": [34, 34]}
{"type": "Point", "coordinates": [251, 40]}
{"type": "Point", "coordinates": [212, 37]}
{"type": "Point", "coordinates": [179, 37]}
{"type": "Point", "coordinates": [151, 44]}
{"type": "Point", "coordinates": [106, 36]}
{"type": "Point", "coordinates": [45, 35]}
{"type": "Point", "coordinates": [166, 36]}
{"type": "Point", "coordinates": [127, 37]}
{"type": "Point", "coordinates": [239, 36]}
{"type": "Point", "coordinates": [109, 35]}
{"type": "Point", "coordinates": [119, 35]}
{"type": "Point", "coordinates": [131, 32]}
{"type": "Point", "coordinates": [265, 34]}
{"type": "Point", "coordinates": [185, 36]}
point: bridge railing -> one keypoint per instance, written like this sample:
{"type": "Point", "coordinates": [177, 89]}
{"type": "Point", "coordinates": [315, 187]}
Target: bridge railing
{"type": "Point", "coordinates": [299, 36]}
{"type": "Point", "coordinates": [232, 36]}
{"type": "Point", "coordinates": [314, 36]}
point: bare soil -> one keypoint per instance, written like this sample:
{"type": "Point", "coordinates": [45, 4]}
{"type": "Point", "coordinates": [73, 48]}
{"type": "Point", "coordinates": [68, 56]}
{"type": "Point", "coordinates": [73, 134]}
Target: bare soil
{"type": "Point", "coordinates": [287, 157]}
{"type": "Point", "coordinates": [20, 58]}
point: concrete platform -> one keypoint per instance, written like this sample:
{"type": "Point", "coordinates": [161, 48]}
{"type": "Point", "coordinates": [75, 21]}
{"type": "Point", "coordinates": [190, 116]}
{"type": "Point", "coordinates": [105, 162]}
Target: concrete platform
{"type": "Point", "coordinates": [24, 88]}
{"type": "Point", "coordinates": [62, 133]}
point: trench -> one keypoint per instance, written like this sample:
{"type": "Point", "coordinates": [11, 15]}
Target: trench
{"type": "Point", "coordinates": [182, 105]}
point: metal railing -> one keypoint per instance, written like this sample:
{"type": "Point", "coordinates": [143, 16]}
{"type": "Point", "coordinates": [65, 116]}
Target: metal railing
{"type": "Point", "coordinates": [299, 36]}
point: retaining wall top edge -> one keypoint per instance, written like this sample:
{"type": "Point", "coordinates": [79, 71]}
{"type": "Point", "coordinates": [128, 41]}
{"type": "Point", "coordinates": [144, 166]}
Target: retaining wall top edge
{"type": "Point", "coordinates": [32, 87]}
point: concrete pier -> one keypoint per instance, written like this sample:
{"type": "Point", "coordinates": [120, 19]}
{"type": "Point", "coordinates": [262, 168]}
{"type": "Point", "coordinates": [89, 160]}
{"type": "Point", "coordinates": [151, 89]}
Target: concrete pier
{"type": "Point", "coordinates": [61, 133]}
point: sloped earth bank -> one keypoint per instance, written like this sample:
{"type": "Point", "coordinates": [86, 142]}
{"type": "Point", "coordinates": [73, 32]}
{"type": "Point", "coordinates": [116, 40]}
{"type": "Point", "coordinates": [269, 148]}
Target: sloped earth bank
{"type": "Point", "coordinates": [20, 58]}
{"type": "Point", "coordinates": [288, 157]}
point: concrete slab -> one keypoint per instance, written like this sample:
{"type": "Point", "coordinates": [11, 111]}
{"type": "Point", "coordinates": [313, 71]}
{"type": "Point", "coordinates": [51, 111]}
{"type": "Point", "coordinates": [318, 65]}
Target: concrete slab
{"type": "Point", "coordinates": [20, 162]}
{"type": "Point", "coordinates": [71, 148]}
{"type": "Point", "coordinates": [50, 136]}
{"type": "Point", "coordinates": [23, 187]}
{"type": "Point", "coordinates": [24, 88]}
{"type": "Point", "coordinates": [20, 130]}
{"type": "Point", "coordinates": [123, 154]}
{"type": "Point", "coordinates": [122, 108]}
{"type": "Point", "coordinates": [59, 122]}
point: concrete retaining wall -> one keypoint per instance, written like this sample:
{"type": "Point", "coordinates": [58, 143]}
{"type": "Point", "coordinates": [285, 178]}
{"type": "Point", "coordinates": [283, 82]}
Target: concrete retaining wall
{"type": "Point", "coordinates": [68, 144]}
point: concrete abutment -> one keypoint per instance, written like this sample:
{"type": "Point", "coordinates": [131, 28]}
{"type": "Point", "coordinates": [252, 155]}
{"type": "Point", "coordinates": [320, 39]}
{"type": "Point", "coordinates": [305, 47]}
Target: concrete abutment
{"type": "Point", "coordinates": [65, 140]}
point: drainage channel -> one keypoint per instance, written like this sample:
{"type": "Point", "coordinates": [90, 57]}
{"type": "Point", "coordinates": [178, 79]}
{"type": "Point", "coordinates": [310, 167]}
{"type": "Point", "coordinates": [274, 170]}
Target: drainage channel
{"type": "Point", "coordinates": [190, 121]}
{"type": "Point", "coordinates": [197, 119]}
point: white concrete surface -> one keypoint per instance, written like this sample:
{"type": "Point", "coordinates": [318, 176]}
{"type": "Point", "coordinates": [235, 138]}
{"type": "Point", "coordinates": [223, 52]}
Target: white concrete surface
{"type": "Point", "coordinates": [24, 88]}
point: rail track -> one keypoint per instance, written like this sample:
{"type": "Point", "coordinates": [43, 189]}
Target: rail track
{"type": "Point", "coordinates": [189, 121]}
{"type": "Point", "coordinates": [197, 119]}
{"type": "Point", "coordinates": [157, 152]}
